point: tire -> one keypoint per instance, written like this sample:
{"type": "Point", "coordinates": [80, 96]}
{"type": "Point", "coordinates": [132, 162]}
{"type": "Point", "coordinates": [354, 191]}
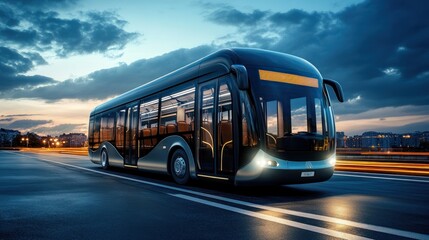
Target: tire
{"type": "Point", "coordinates": [179, 167]}
{"type": "Point", "coordinates": [104, 159]}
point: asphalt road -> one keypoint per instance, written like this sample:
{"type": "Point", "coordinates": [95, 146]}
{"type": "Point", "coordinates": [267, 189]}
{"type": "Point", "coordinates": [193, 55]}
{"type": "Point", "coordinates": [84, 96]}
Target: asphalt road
{"type": "Point", "coordinates": [53, 196]}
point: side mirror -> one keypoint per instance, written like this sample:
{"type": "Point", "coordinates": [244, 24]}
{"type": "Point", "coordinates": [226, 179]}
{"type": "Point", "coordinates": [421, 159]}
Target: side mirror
{"type": "Point", "coordinates": [242, 78]}
{"type": "Point", "coordinates": [337, 88]}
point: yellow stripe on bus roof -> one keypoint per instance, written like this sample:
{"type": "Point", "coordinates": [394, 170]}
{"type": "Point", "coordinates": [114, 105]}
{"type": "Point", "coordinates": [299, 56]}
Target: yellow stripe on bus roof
{"type": "Point", "coordinates": [288, 78]}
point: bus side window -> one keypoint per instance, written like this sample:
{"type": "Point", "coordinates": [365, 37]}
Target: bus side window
{"type": "Point", "coordinates": [185, 110]}
{"type": "Point", "coordinates": [97, 132]}
{"type": "Point", "coordinates": [91, 133]}
{"type": "Point", "coordinates": [148, 123]}
{"type": "Point", "coordinates": [120, 129]}
{"type": "Point", "coordinates": [107, 127]}
{"type": "Point", "coordinates": [168, 114]}
{"type": "Point", "coordinates": [177, 111]}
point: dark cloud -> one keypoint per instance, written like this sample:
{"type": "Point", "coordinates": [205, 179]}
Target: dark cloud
{"type": "Point", "coordinates": [6, 119]}
{"type": "Point", "coordinates": [44, 29]}
{"type": "Point", "coordinates": [7, 17]}
{"type": "Point", "coordinates": [233, 17]}
{"type": "Point", "coordinates": [19, 115]}
{"type": "Point", "coordinates": [35, 58]}
{"type": "Point", "coordinates": [37, 26]}
{"type": "Point", "coordinates": [41, 4]}
{"type": "Point", "coordinates": [13, 65]}
{"type": "Point", "coordinates": [25, 124]}
{"type": "Point", "coordinates": [109, 82]}
{"type": "Point", "coordinates": [94, 32]}
{"type": "Point", "coordinates": [420, 126]}
{"type": "Point", "coordinates": [378, 50]}
{"type": "Point", "coordinates": [59, 129]}
{"type": "Point", "coordinates": [11, 62]}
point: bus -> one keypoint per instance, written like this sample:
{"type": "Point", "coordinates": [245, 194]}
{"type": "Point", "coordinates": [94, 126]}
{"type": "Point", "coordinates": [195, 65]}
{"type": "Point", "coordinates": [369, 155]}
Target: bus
{"type": "Point", "coordinates": [240, 115]}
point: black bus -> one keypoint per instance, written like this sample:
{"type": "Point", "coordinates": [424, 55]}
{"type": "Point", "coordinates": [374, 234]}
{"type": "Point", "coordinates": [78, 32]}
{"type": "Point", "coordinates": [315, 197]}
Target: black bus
{"type": "Point", "coordinates": [247, 116]}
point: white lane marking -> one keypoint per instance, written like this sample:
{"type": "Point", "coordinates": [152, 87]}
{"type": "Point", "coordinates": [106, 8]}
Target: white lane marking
{"type": "Point", "coordinates": [376, 228]}
{"type": "Point", "coordinates": [270, 218]}
{"type": "Point", "coordinates": [383, 178]}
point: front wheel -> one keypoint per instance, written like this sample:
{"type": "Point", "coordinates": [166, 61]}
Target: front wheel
{"type": "Point", "coordinates": [104, 159]}
{"type": "Point", "coordinates": [179, 165]}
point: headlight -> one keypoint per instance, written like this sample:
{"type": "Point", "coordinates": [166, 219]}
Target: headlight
{"type": "Point", "coordinates": [263, 162]}
{"type": "Point", "coordinates": [333, 160]}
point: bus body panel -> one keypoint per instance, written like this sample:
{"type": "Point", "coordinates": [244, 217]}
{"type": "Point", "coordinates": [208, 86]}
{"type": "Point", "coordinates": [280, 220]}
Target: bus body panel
{"type": "Point", "coordinates": [115, 158]}
{"type": "Point", "coordinates": [158, 158]}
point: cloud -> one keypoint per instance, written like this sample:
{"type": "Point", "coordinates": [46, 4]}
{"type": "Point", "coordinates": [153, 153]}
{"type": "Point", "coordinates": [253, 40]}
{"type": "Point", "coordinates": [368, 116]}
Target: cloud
{"type": "Point", "coordinates": [397, 124]}
{"type": "Point", "coordinates": [59, 129]}
{"type": "Point", "coordinates": [389, 119]}
{"type": "Point", "coordinates": [19, 115]}
{"type": "Point", "coordinates": [37, 26]}
{"type": "Point", "coordinates": [42, 127]}
{"type": "Point", "coordinates": [381, 59]}
{"type": "Point", "coordinates": [387, 112]}
{"type": "Point", "coordinates": [233, 17]}
{"type": "Point", "coordinates": [34, 27]}
{"type": "Point", "coordinates": [110, 82]}
{"type": "Point", "coordinates": [11, 62]}
{"type": "Point", "coordinates": [41, 4]}
{"type": "Point", "coordinates": [25, 124]}
{"type": "Point", "coordinates": [93, 32]}
{"type": "Point", "coordinates": [13, 65]}
{"type": "Point", "coordinates": [6, 119]}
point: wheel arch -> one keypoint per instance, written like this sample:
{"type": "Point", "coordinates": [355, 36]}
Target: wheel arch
{"type": "Point", "coordinates": [185, 147]}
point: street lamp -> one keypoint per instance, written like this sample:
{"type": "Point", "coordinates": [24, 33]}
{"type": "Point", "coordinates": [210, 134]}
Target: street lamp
{"type": "Point", "coordinates": [25, 139]}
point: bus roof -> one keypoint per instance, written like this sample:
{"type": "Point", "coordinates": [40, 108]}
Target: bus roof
{"type": "Point", "coordinates": [214, 65]}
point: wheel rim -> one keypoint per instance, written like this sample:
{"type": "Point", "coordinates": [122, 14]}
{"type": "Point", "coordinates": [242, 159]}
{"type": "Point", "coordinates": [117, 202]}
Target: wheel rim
{"type": "Point", "coordinates": [103, 159]}
{"type": "Point", "coordinates": [179, 167]}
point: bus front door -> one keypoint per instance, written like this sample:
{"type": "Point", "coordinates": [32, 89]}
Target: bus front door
{"type": "Point", "coordinates": [206, 143]}
{"type": "Point", "coordinates": [215, 145]}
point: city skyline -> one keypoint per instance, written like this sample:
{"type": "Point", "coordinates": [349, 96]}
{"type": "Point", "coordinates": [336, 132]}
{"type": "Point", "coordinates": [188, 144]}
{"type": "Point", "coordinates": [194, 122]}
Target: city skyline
{"type": "Point", "coordinates": [60, 59]}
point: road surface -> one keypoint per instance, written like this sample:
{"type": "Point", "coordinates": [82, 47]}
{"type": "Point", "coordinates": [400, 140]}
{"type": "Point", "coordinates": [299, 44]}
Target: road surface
{"type": "Point", "coordinates": [57, 196]}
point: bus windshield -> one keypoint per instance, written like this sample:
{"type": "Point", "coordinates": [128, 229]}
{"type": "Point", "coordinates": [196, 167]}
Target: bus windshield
{"type": "Point", "coordinates": [297, 120]}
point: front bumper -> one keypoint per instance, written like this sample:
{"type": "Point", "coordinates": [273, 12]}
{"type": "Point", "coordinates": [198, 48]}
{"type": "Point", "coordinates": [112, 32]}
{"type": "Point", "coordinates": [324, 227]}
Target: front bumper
{"type": "Point", "coordinates": [265, 169]}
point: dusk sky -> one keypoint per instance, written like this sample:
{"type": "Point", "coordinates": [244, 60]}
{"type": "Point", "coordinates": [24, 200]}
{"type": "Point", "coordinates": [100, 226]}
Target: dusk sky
{"type": "Point", "coordinates": [59, 59]}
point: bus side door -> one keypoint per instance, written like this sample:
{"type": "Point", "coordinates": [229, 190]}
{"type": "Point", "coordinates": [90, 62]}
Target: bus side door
{"type": "Point", "coordinates": [131, 134]}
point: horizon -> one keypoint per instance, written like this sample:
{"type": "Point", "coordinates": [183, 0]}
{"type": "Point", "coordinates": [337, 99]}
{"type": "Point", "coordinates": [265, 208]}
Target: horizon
{"type": "Point", "coordinates": [61, 59]}
{"type": "Point", "coordinates": [346, 135]}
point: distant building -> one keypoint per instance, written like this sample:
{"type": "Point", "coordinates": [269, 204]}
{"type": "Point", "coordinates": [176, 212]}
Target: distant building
{"type": "Point", "coordinates": [411, 140]}
{"type": "Point", "coordinates": [341, 140]}
{"type": "Point", "coordinates": [379, 141]}
{"type": "Point", "coordinates": [72, 140]}
{"type": "Point", "coordinates": [354, 142]}
{"type": "Point", "coordinates": [7, 136]}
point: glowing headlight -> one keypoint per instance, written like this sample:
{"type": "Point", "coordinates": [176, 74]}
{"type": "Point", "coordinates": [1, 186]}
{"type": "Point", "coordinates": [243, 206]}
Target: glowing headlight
{"type": "Point", "coordinates": [332, 160]}
{"type": "Point", "coordinates": [267, 163]}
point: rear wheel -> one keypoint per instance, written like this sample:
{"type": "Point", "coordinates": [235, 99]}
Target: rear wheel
{"type": "Point", "coordinates": [179, 165]}
{"type": "Point", "coordinates": [104, 159]}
